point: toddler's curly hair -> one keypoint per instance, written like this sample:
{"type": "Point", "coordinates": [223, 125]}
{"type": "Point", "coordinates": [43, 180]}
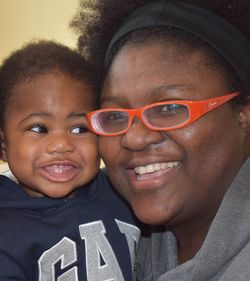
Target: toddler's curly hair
{"type": "Point", "coordinates": [40, 57]}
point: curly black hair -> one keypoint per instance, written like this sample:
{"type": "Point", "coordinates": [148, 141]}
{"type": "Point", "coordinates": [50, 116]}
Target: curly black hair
{"type": "Point", "coordinates": [96, 21]}
{"type": "Point", "coordinates": [40, 57]}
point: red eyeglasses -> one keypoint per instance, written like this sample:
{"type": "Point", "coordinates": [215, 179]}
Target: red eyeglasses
{"type": "Point", "coordinates": [160, 116]}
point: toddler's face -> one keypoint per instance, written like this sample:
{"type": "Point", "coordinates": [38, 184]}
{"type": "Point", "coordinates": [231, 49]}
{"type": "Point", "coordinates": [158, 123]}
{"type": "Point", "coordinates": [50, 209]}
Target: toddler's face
{"type": "Point", "coordinates": [47, 143]}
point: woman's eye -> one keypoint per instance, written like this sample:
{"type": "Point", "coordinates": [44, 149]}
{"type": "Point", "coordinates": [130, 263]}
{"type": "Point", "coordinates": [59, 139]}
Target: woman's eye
{"type": "Point", "coordinates": [116, 116]}
{"type": "Point", "coordinates": [79, 129]}
{"type": "Point", "coordinates": [39, 129]}
{"type": "Point", "coordinates": [171, 109]}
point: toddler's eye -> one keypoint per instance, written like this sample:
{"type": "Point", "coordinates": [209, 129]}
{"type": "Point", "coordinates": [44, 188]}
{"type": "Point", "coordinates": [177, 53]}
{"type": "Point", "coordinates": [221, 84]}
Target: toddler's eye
{"type": "Point", "coordinates": [39, 129]}
{"type": "Point", "coordinates": [79, 129]}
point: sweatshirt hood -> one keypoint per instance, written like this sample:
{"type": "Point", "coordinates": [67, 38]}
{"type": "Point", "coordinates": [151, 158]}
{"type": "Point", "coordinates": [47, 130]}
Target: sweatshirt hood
{"type": "Point", "coordinates": [223, 251]}
{"type": "Point", "coordinates": [230, 229]}
{"type": "Point", "coordinates": [13, 196]}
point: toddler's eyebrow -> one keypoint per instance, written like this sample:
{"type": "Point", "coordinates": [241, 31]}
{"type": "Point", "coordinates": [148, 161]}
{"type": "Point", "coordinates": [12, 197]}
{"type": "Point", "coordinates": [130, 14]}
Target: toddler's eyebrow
{"type": "Point", "coordinates": [46, 114]}
{"type": "Point", "coordinates": [36, 114]}
{"type": "Point", "coordinates": [75, 115]}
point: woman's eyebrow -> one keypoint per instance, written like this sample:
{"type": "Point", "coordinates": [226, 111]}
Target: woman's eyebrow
{"type": "Point", "coordinates": [154, 92]}
{"type": "Point", "coordinates": [172, 87]}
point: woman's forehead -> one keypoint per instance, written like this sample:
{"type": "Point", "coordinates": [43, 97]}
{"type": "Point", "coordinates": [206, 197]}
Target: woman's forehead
{"type": "Point", "coordinates": [157, 70]}
{"type": "Point", "coordinates": [155, 54]}
{"type": "Point", "coordinates": [149, 61]}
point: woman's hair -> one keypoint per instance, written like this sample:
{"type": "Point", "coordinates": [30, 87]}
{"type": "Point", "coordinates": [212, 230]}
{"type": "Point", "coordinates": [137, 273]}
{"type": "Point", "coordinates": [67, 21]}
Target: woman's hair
{"type": "Point", "coordinates": [41, 57]}
{"type": "Point", "coordinates": [97, 21]}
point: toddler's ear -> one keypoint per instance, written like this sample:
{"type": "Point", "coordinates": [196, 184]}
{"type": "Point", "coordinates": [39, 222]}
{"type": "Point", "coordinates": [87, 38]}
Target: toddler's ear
{"type": "Point", "coordinates": [3, 155]}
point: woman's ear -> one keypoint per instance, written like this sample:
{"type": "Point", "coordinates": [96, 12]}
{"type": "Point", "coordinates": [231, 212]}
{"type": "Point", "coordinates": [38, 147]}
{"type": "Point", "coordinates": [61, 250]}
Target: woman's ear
{"type": "Point", "coordinates": [3, 155]}
{"type": "Point", "coordinates": [244, 117]}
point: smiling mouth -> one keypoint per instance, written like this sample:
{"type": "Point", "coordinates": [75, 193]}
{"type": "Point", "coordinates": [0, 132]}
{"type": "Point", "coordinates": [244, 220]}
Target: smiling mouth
{"type": "Point", "coordinates": [59, 169]}
{"type": "Point", "coordinates": [59, 172]}
{"type": "Point", "coordinates": [151, 168]}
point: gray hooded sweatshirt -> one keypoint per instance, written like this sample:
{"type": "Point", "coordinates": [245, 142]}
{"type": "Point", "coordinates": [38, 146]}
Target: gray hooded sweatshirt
{"type": "Point", "coordinates": [225, 253]}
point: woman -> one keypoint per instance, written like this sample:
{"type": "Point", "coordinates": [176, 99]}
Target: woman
{"type": "Point", "coordinates": [174, 130]}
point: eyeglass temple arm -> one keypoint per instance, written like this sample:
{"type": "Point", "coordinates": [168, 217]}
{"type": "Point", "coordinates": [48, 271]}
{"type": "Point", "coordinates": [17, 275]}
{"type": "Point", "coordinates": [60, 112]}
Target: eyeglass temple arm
{"type": "Point", "coordinates": [200, 108]}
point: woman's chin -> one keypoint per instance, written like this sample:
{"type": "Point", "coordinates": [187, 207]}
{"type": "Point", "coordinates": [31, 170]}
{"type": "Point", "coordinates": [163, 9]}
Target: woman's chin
{"type": "Point", "coordinates": [150, 216]}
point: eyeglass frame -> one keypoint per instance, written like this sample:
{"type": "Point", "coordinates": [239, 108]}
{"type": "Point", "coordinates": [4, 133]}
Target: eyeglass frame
{"type": "Point", "coordinates": [196, 110]}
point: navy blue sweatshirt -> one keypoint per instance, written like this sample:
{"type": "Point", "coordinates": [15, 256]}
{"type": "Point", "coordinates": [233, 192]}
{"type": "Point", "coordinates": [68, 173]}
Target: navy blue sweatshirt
{"type": "Point", "coordinates": [89, 237]}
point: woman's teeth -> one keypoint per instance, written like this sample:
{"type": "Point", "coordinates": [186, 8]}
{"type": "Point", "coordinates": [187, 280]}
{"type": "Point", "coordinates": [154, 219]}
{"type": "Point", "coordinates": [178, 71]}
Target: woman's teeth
{"type": "Point", "coordinates": [141, 170]}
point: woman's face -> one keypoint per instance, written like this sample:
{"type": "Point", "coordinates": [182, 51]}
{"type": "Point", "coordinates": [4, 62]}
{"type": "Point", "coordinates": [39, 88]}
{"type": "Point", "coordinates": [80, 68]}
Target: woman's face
{"type": "Point", "coordinates": [185, 172]}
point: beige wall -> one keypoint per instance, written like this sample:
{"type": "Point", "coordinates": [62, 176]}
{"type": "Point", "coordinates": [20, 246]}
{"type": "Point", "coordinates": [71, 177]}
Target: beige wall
{"type": "Point", "coordinates": [24, 20]}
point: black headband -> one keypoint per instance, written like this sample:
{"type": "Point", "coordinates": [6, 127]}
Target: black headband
{"type": "Point", "coordinates": [219, 33]}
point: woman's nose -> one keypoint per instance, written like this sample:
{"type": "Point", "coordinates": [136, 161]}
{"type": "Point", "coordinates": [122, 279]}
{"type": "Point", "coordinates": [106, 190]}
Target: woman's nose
{"type": "Point", "coordinates": [139, 136]}
{"type": "Point", "coordinates": [60, 143]}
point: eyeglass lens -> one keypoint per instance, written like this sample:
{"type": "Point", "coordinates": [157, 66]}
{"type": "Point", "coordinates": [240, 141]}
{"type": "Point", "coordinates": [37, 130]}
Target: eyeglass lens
{"type": "Point", "coordinates": [166, 115]}
{"type": "Point", "coordinates": [158, 116]}
{"type": "Point", "coordinates": [112, 121]}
